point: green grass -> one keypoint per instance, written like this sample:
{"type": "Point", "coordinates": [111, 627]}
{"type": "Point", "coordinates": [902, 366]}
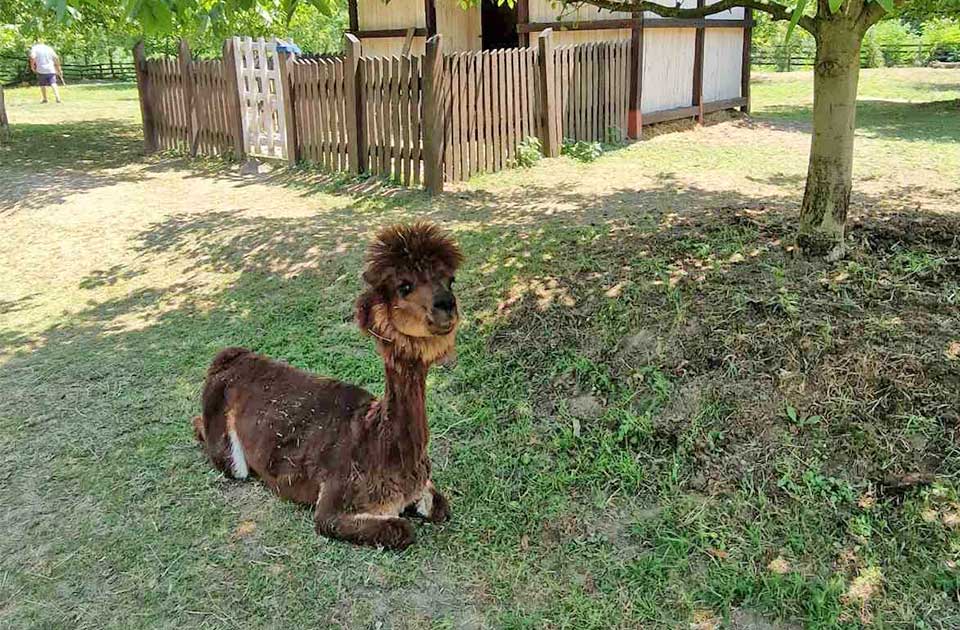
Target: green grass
{"type": "Point", "coordinates": [659, 417]}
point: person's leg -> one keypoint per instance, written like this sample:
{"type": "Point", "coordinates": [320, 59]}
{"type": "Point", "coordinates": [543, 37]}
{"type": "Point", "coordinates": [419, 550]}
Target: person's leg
{"type": "Point", "coordinates": [43, 93]}
{"type": "Point", "coordinates": [56, 91]}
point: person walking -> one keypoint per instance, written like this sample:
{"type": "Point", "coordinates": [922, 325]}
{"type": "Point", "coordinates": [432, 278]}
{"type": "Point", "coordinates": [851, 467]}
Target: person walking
{"type": "Point", "coordinates": [46, 65]}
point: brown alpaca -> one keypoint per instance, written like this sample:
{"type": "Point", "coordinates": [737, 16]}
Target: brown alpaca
{"type": "Point", "coordinates": [360, 461]}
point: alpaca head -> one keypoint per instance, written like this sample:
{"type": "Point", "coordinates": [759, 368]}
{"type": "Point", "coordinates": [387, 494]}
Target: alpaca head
{"type": "Point", "coordinates": [408, 304]}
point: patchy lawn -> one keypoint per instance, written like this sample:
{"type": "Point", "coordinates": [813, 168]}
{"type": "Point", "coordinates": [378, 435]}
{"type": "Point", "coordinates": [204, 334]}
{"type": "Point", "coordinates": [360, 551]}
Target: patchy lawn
{"type": "Point", "coordinates": [659, 416]}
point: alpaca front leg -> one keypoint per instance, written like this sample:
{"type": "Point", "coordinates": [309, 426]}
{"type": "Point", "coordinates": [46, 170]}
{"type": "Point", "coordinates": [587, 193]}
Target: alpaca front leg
{"type": "Point", "coordinates": [431, 505]}
{"type": "Point", "coordinates": [391, 532]}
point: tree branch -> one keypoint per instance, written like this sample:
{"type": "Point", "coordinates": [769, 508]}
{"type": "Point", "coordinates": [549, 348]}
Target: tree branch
{"type": "Point", "coordinates": [776, 11]}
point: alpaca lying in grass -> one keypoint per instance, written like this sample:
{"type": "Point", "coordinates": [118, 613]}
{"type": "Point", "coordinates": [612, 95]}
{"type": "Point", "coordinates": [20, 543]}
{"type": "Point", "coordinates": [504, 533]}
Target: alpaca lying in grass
{"type": "Point", "coordinates": [361, 461]}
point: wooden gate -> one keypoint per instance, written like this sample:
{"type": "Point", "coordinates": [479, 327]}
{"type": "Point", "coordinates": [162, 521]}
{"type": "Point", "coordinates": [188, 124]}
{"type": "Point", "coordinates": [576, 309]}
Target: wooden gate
{"type": "Point", "coordinates": [261, 97]}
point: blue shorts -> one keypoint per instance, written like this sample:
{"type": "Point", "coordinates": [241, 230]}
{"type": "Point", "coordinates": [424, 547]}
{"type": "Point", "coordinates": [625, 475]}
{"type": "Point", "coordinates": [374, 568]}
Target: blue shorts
{"type": "Point", "coordinates": [47, 79]}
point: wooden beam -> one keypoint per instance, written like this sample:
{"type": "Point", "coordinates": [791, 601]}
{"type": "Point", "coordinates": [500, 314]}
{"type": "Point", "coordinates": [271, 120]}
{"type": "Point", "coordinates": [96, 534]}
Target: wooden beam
{"type": "Point", "coordinates": [232, 91]}
{"type": "Point", "coordinates": [747, 60]}
{"type": "Point", "coordinates": [353, 108]}
{"type": "Point", "coordinates": [548, 98]}
{"type": "Point", "coordinates": [634, 113]}
{"type": "Point", "coordinates": [692, 111]}
{"type": "Point", "coordinates": [523, 18]}
{"type": "Point", "coordinates": [354, 15]}
{"type": "Point", "coordinates": [604, 25]}
{"type": "Point", "coordinates": [388, 32]}
{"type": "Point", "coordinates": [430, 16]}
{"type": "Point", "coordinates": [285, 60]}
{"type": "Point", "coordinates": [433, 116]}
{"type": "Point", "coordinates": [698, 42]}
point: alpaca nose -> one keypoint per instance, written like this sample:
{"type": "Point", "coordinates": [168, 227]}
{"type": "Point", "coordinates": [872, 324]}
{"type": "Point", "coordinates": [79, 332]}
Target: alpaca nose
{"type": "Point", "coordinates": [445, 303]}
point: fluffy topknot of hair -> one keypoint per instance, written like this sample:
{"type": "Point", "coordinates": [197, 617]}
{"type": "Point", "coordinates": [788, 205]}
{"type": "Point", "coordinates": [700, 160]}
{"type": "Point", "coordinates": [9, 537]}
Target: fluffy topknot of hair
{"type": "Point", "coordinates": [419, 248]}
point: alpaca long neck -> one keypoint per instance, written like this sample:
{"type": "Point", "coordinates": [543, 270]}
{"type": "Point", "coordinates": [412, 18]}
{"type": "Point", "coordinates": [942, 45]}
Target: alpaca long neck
{"type": "Point", "coordinates": [404, 408]}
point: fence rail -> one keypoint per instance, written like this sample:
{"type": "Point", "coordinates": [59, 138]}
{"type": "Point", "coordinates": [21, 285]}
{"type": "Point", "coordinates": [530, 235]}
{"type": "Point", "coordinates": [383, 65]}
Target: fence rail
{"type": "Point", "coordinates": [15, 70]}
{"type": "Point", "coordinates": [786, 58]}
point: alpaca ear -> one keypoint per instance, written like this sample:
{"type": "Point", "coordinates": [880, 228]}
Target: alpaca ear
{"type": "Point", "coordinates": [363, 309]}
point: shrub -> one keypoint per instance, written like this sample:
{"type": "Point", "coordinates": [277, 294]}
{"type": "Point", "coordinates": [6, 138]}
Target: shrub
{"type": "Point", "coordinates": [529, 152]}
{"type": "Point", "coordinates": [581, 150]}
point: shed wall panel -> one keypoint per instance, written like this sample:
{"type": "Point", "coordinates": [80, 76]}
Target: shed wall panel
{"type": "Point", "coordinates": [460, 28]}
{"type": "Point", "coordinates": [377, 15]}
{"type": "Point", "coordinates": [545, 11]}
{"type": "Point", "coordinates": [722, 59]}
{"type": "Point", "coordinates": [667, 68]}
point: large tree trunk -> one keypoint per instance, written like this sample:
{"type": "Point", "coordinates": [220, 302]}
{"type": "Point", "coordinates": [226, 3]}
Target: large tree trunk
{"type": "Point", "coordinates": [823, 215]}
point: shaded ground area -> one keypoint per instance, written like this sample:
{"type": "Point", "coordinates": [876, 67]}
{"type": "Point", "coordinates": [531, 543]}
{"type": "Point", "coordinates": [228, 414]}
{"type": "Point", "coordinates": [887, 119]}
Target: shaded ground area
{"type": "Point", "coordinates": [659, 417]}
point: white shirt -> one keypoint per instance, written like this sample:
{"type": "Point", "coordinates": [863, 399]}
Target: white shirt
{"type": "Point", "coordinates": [45, 59]}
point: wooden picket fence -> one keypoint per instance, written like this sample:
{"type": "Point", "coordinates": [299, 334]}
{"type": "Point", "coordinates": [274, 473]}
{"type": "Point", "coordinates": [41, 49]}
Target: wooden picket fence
{"type": "Point", "coordinates": [491, 107]}
{"type": "Point", "coordinates": [391, 96]}
{"type": "Point", "coordinates": [210, 96]}
{"type": "Point", "coordinates": [167, 103]}
{"type": "Point", "coordinates": [411, 119]}
{"type": "Point", "coordinates": [319, 111]}
{"type": "Point", "coordinates": [592, 84]}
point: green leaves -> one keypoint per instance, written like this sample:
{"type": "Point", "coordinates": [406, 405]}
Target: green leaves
{"type": "Point", "coordinates": [886, 4]}
{"type": "Point", "coordinates": [835, 5]}
{"type": "Point", "coordinates": [795, 17]}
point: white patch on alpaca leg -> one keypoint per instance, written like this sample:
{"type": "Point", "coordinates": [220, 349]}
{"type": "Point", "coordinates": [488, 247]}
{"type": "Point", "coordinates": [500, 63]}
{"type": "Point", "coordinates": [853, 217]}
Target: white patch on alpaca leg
{"type": "Point", "coordinates": [238, 462]}
{"type": "Point", "coordinates": [424, 506]}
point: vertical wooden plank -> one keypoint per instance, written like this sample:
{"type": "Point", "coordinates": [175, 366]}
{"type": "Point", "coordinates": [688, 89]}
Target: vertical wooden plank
{"type": "Point", "coordinates": [397, 147]}
{"type": "Point", "coordinates": [746, 59]}
{"type": "Point", "coordinates": [340, 105]}
{"type": "Point", "coordinates": [474, 112]}
{"type": "Point", "coordinates": [384, 115]}
{"type": "Point", "coordinates": [486, 133]}
{"type": "Point", "coordinates": [505, 93]}
{"type": "Point", "coordinates": [147, 111]}
{"type": "Point", "coordinates": [433, 115]}
{"type": "Point", "coordinates": [187, 80]}
{"type": "Point", "coordinates": [496, 113]}
{"type": "Point", "coordinates": [547, 106]}
{"type": "Point", "coordinates": [325, 113]}
{"type": "Point", "coordinates": [404, 151]}
{"type": "Point", "coordinates": [416, 115]}
{"type": "Point", "coordinates": [459, 106]}
{"type": "Point", "coordinates": [510, 57]}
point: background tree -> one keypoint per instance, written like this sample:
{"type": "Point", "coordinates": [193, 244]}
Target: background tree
{"type": "Point", "coordinates": [838, 28]}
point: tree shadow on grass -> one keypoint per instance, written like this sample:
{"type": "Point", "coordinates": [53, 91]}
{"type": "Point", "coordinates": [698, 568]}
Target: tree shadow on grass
{"type": "Point", "coordinates": [104, 397]}
{"type": "Point", "coordinates": [41, 165]}
{"type": "Point", "coordinates": [933, 121]}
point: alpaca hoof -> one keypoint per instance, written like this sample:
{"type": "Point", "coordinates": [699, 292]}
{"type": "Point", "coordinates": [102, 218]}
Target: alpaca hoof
{"type": "Point", "coordinates": [440, 512]}
{"type": "Point", "coordinates": [397, 533]}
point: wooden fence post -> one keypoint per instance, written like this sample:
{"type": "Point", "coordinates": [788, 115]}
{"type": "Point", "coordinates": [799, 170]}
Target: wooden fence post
{"type": "Point", "coordinates": [634, 112]}
{"type": "Point", "coordinates": [747, 59]}
{"type": "Point", "coordinates": [146, 103]}
{"type": "Point", "coordinates": [234, 111]}
{"type": "Point", "coordinates": [433, 115]}
{"type": "Point", "coordinates": [4, 122]}
{"type": "Point", "coordinates": [286, 60]}
{"type": "Point", "coordinates": [189, 99]}
{"type": "Point", "coordinates": [356, 142]}
{"type": "Point", "coordinates": [548, 97]}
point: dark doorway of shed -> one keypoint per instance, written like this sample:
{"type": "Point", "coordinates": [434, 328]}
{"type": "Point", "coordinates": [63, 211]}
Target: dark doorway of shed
{"type": "Point", "coordinates": [499, 23]}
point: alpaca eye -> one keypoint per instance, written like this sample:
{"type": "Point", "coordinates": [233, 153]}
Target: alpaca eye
{"type": "Point", "coordinates": [405, 289]}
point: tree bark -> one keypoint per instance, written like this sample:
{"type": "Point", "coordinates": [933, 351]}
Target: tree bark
{"type": "Point", "coordinates": [826, 199]}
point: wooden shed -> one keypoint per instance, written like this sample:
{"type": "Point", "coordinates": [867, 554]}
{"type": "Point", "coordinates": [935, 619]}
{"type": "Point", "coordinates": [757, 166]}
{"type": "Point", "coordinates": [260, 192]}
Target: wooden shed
{"type": "Point", "coordinates": [678, 67]}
